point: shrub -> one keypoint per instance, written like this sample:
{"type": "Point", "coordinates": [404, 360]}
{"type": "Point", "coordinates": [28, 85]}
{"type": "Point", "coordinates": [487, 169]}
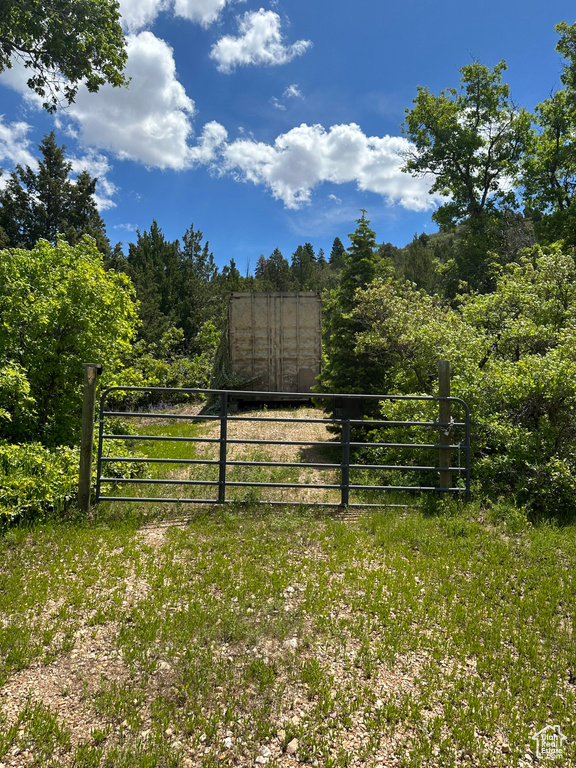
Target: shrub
{"type": "Point", "coordinates": [158, 365]}
{"type": "Point", "coordinates": [59, 309]}
{"type": "Point", "coordinates": [35, 480]}
{"type": "Point", "coordinates": [513, 360]}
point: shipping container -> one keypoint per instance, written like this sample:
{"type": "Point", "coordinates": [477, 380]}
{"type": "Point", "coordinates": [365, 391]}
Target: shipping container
{"type": "Point", "coordinates": [276, 339]}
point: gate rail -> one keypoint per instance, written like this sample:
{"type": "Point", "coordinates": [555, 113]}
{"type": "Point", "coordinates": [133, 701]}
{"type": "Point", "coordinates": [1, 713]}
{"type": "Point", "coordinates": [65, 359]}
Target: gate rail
{"type": "Point", "coordinates": [444, 447]}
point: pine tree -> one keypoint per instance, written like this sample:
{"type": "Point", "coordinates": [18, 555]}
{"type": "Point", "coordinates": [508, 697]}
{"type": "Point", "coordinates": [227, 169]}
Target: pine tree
{"type": "Point", "coordinates": [199, 296]}
{"type": "Point", "coordinates": [46, 202]}
{"type": "Point", "coordinates": [337, 255]}
{"type": "Point", "coordinates": [152, 264]}
{"type": "Point", "coordinates": [345, 369]}
{"type": "Point", "coordinates": [303, 268]}
{"type": "Point", "coordinates": [230, 279]}
{"type": "Point", "coordinates": [278, 271]}
{"type": "Point", "coordinates": [260, 268]}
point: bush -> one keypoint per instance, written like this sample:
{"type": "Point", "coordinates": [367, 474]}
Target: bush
{"type": "Point", "coordinates": [35, 481]}
{"type": "Point", "coordinates": [513, 360]}
{"type": "Point", "coordinates": [158, 365]}
{"type": "Point", "coordinates": [59, 309]}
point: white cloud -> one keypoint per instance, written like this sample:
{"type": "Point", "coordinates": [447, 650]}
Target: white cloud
{"type": "Point", "coordinates": [306, 156]}
{"type": "Point", "coordinates": [150, 123]}
{"type": "Point", "coordinates": [150, 120]}
{"type": "Point", "coordinates": [260, 42]}
{"type": "Point", "coordinates": [138, 14]}
{"type": "Point", "coordinates": [97, 166]}
{"type": "Point", "coordinates": [212, 139]}
{"type": "Point", "coordinates": [204, 12]}
{"type": "Point", "coordinates": [293, 92]}
{"type": "Point", "coordinates": [17, 78]}
{"type": "Point", "coordinates": [14, 145]}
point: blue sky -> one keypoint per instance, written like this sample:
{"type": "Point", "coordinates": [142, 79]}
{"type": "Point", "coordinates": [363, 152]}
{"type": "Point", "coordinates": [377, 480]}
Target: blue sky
{"type": "Point", "coordinates": [272, 124]}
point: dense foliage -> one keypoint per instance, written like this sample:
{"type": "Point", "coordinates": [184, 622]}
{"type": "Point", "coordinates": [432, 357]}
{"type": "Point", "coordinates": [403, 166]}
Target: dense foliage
{"type": "Point", "coordinates": [513, 357]}
{"type": "Point", "coordinates": [470, 140]}
{"type": "Point", "coordinates": [63, 44]}
{"type": "Point", "coordinates": [35, 480]}
{"type": "Point", "coordinates": [59, 309]}
{"type": "Point", "coordinates": [493, 291]}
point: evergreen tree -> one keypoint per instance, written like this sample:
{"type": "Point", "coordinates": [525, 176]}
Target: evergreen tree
{"type": "Point", "coordinates": [83, 216]}
{"type": "Point", "coordinates": [304, 268]}
{"type": "Point", "coordinates": [260, 268]}
{"type": "Point", "coordinates": [346, 369]}
{"type": "Point", "coordinates": [363, 261]}
{"type": "Point", "coordinates": [337, 255]}
{"type": "Point", "coordinates": [199, 298]}
{"type": "Point", "coordinates": [278, 272]}
{"type": "Point", "coordinates": [45, 203]}
{"type": "Point", "coordinates": [390, 255]}
{"type": "Point", "coordinates": [326, 277]}
{"type": "Point", "coordinates": [231, 279]}
{"type": "Point", "coordinates": [179, 286]}
{"type": "Point", "coordinates": [152, 264]}
{"type": "Point", "coordinates": [419, 265]}
{"type": "Point", "coordinates": [273, 274]}
{"type": "Point", "coordinates": [116, 259]}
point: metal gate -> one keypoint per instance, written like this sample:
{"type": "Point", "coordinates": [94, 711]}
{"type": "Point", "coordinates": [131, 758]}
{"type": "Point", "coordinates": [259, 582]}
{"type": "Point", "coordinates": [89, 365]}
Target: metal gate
{"type": "Point", "coordinates": [448, 450]}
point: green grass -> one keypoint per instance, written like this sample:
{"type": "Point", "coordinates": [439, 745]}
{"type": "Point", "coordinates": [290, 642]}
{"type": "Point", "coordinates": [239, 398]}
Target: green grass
{"type": "Point", "coordinates": [154, 449]}
{"type": "Point", "coordinates": [192, 450]}
{"type": "Point", "coordinates": [432, 637]}
{"type": "Point", "coordinates": [184, 636]}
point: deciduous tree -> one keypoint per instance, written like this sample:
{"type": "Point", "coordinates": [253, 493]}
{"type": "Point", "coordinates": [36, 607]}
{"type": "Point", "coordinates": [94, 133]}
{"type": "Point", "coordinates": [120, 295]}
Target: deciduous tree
{"type": "Point", "coordinates": [470, 141]}
{"type": "Point", "coordinates": [59, 309]}
{"type": "Point", "coordinates": [549, 166]}
{"type": "Point", "coordinates": [512, 360]}
{"type": "Point", "coordinates": [63, 44]}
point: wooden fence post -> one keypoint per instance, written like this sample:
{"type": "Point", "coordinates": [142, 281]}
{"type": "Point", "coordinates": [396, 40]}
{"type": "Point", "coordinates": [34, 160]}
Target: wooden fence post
{"type": "Point", "coordinates": [444, 414]}
{"type": "Point", "coordinates": [91, 372]}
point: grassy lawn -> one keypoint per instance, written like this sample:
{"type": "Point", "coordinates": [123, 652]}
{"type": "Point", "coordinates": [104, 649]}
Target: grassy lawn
{"type": "Point", "coordinates": [250, 636]}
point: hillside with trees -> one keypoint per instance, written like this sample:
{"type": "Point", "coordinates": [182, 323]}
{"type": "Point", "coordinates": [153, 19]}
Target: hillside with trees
{"type": "Point", "coordinates": [493, 291]}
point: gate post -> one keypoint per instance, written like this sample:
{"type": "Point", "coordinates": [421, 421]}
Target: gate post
{"type": "Point", "coordinates": [345, 480]}
{"type": "Point", "coordinates": [444, 414]}
{"type": "Point", "coordinates": [91, 373]}
{"type": "Point", "coordinates": [223, 447]}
